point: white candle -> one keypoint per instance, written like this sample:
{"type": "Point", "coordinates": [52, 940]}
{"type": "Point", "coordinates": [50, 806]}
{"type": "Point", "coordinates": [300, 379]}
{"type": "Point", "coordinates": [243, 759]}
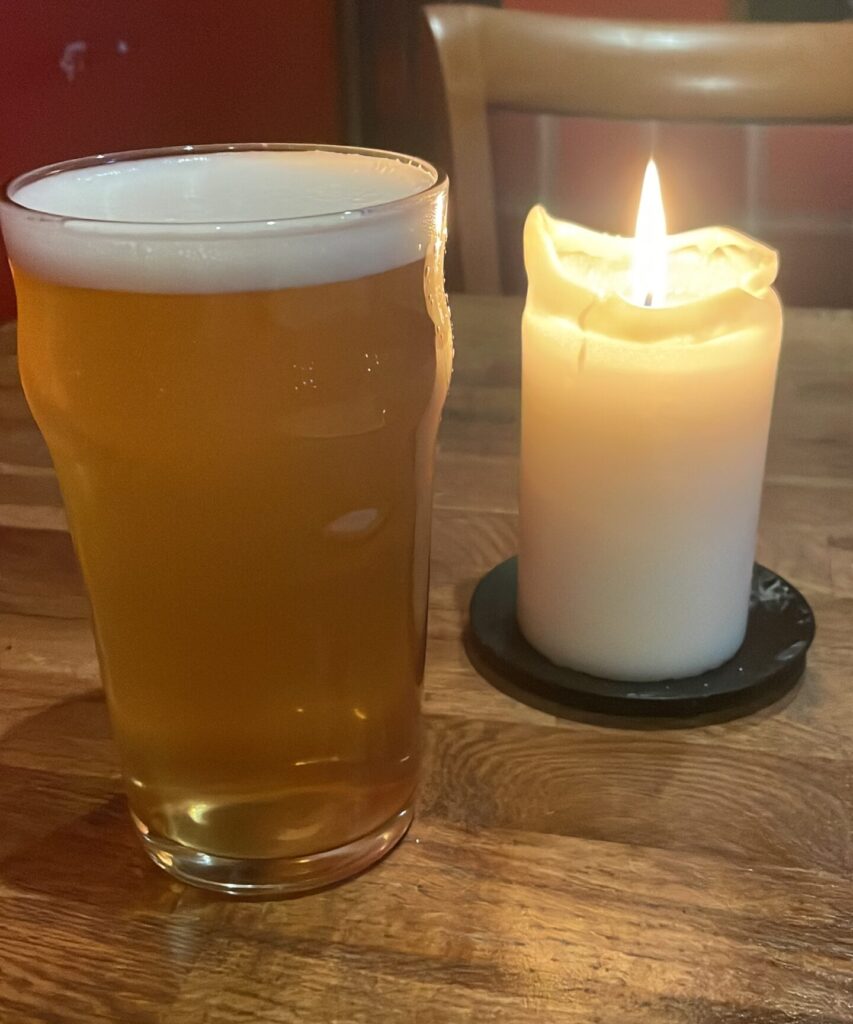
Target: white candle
{"type": "Point", "coordinates": [648, 376]}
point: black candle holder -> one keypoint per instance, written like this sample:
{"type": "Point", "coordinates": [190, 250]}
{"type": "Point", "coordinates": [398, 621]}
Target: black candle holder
{"type": "Point", "coordinates": [767, 666]}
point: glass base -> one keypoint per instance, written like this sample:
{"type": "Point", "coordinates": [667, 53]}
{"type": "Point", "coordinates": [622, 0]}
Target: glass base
{"type": "Point", "coordinates": [275, 876]}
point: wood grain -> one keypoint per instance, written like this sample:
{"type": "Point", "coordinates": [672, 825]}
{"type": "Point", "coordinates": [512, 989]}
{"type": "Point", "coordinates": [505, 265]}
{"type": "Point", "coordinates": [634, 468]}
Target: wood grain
{"type": "Point", "coordinates": [557, 871]}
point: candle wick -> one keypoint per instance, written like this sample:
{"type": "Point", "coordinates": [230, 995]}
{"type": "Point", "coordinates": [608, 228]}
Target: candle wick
{"type": "Point", "coordinates": [648, 301]}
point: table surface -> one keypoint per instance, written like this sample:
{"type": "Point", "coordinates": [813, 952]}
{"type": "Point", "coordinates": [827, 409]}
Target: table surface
{"type": "Point", "coordinates": [557, 871]}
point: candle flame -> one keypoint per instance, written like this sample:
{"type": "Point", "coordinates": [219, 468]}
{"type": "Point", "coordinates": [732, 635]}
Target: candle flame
{"type": "Point", "coordinates": [648, 267]}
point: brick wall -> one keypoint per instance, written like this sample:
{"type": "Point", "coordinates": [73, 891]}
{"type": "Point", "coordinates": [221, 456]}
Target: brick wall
{"type": "Point", "coordinates": [792, 186]}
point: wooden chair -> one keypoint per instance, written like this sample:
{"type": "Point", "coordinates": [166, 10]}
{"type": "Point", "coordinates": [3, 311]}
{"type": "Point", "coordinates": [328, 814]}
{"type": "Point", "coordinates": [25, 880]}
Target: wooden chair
{"type": "Point", "coordinates": [547, 63]}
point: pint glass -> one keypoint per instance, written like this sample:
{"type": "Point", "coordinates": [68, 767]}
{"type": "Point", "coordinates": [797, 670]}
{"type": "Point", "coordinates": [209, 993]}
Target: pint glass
{"type": "Point", "coordinates": [238, 357]}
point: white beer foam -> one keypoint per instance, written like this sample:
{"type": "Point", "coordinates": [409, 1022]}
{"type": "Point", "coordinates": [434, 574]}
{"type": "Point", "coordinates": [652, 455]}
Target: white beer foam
{"type": "Point", "coordinates": [225, 221]}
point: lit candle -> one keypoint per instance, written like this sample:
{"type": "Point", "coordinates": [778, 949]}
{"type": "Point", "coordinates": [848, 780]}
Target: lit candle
{"type": "Point", "coordinates": [648, 373]}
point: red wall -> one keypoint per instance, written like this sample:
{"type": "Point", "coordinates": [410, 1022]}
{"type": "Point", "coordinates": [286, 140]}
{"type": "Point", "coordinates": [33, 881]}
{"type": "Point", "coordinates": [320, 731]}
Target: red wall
{"type": "Point", "coordinates": [88, 76]}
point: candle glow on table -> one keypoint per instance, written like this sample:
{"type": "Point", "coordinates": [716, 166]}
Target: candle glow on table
{"type": "Point", "coordinates": [649, 367]}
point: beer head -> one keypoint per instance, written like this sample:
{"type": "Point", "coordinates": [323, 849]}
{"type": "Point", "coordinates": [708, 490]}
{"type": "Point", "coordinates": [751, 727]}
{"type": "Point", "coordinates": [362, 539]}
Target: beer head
{"type": "Point", "coordinates": [217, 220]}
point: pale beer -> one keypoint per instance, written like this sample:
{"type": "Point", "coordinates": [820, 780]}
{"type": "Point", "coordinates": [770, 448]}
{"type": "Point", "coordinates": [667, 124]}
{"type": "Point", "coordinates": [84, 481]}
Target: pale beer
{"type": "Point", "coordinates": [238, 360]}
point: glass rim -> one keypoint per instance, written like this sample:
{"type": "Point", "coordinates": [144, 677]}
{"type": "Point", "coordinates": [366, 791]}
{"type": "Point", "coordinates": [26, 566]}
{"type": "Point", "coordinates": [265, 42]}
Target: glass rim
{"type": "Point", "coordinates": [436, 186]}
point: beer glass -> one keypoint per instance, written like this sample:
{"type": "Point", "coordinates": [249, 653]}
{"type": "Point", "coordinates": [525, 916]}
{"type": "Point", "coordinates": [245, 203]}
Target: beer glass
{"type": "Point", "coordinates": [238, 357]}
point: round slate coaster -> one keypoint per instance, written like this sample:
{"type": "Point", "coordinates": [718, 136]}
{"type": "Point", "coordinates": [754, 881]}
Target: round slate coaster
{"type": "Point", "coordinates": [772, 658]}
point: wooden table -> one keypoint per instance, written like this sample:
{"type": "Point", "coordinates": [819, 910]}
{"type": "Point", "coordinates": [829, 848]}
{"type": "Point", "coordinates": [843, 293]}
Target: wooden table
{"type": "Point", "coordinates": [557, 872]}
